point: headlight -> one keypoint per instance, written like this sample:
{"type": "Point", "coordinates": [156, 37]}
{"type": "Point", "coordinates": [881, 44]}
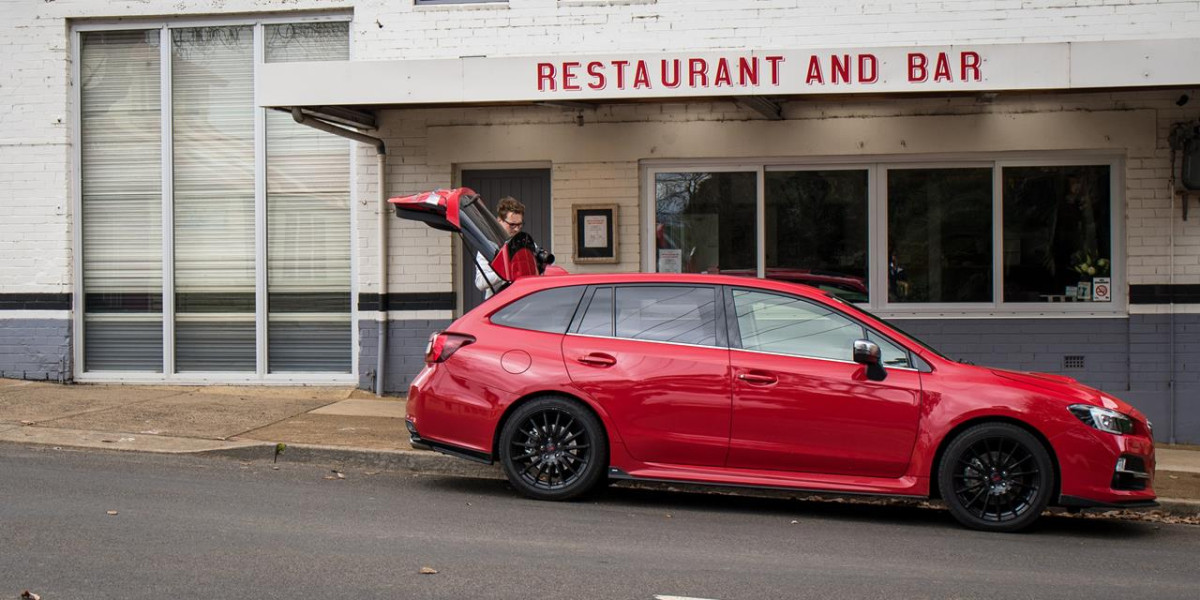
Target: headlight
{"type": "Point", "coordinates": [1103, 418]}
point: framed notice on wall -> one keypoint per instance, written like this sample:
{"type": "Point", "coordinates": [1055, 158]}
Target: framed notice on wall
{"type": "Point", "coordinates": [594, 230]}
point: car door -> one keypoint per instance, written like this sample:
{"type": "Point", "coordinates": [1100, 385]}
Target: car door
{"type": "Point", "coordinates": [655, 358]}
{"type": "Point", "coordinates": [800, 403]}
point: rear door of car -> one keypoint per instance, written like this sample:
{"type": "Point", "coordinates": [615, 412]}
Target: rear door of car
{"type": "Point", "coordinates": [655, 357]}
{"type": "Point", "coordinates": [800, 402]}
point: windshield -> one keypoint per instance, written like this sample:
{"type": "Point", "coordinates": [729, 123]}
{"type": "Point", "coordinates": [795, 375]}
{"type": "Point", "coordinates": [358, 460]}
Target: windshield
{"type": "Point", "coordinates": [481, 227]}
{"type": "Point", "coordinates": [892, 325]}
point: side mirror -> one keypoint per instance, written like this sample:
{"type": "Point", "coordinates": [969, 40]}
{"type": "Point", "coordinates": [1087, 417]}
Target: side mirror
{"type": "Point", "coordinates": [867, 353]}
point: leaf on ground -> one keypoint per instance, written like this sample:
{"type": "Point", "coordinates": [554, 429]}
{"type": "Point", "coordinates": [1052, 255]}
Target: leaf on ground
{"type": "Point", "coordinates": [28, 595]}
{"type": "Point", "coordinates": [112, 513]}
{"type": "Point", "coordinates": [428, 571]}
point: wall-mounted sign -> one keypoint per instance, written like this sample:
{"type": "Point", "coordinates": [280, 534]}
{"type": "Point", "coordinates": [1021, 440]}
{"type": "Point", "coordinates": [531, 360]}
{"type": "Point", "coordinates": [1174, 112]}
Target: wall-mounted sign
{"type": "Point", "coordinates": [1102, 289]}
{"type": "Point", "coordinates": [731, 73]}
{"type": "Point", "coordinates": [595, 233]}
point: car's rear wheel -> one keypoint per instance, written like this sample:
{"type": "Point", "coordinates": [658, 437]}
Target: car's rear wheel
{"type": "Point", "coordinates": [553, 448]}
{"type": "Point", "coordinates": [996, 477]}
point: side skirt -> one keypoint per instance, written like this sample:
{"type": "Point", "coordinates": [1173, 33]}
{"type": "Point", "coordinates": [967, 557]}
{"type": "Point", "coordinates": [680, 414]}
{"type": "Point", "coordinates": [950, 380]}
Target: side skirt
{"type": "Point", "coordinates": [761, 484]}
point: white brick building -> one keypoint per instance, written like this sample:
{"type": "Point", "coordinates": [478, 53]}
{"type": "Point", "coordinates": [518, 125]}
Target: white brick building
{"type": "Point", "coordinates": [156, 226]}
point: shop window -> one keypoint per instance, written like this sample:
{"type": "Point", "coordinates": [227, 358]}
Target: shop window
{"type": "Point", "coordinates": [213, 202]}
{"type": "Point", "coordinates": [939, 241]}
{"type": "Point", "coordinates": [1057, 233]}
{"type": "Point", "coordinates": [817, 230]}
{"type": "Point", "coordinates": [705, 222]}
{"type": "Point", "coordinates": [685, 315]}
{"type": "Point", "coordinates": [987, 235]}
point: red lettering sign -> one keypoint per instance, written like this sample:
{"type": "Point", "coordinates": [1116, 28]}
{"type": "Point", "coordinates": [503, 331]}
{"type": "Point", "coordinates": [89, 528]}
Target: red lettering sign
{"type": "Point", "coordinates": [969, 62]}
{"type": "Point", "coordinates": [545, 77]}
{"type": "Point", "coordinates": [867, 63]}
{"type": "Point", "coordinates": [814, 71]}
{"type": "Point", "coordinates": [596, 71]}
{"type": "Point", "coordinates": [748, 71]}
{"type": "Point", "coordinates": [568, 77]}
{"type": "Point", "coordinates": [918, 70]}
{"type": "Point", "coordinates": [697, 70]}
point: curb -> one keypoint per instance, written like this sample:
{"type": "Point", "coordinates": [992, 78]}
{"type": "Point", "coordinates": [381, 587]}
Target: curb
{"type": "Point", "coordinates": [404, 460]}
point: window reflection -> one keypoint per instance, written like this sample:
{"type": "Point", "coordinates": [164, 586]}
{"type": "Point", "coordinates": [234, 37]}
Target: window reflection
{"type": "Point", "coordinates": [1057, 233]}
{"type": "Point", "coordinates": [939, 235]}
{"type": "Point", "coordinates": [817, 230]}
{"type": "Point", "coordinates": [706, 222]}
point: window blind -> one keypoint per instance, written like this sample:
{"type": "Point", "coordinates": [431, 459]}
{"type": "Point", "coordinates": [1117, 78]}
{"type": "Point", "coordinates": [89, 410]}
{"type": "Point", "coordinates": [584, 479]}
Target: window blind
{"type": "Point", "coordinates": [121, 185]}
{"type": "Point", "coordinates": [308, 221]}
{"type": "Point", "coordinates": [212, 78]}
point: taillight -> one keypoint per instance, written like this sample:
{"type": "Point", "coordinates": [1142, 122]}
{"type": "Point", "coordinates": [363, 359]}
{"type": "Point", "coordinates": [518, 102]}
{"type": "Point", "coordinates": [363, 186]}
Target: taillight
{"type": "Point", "coordinates": [442, 344]}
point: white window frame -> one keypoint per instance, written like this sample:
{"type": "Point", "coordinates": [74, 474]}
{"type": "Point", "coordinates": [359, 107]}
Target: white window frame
{"type": "Point", "coordinates": [877, 167]}
{"type": "Point", "coordinates": [261, 374]}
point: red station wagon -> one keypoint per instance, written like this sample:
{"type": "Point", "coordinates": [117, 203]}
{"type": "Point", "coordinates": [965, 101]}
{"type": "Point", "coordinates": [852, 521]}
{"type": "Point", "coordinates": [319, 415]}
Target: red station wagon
{"type": "Point", "coordinates": [713, 379]}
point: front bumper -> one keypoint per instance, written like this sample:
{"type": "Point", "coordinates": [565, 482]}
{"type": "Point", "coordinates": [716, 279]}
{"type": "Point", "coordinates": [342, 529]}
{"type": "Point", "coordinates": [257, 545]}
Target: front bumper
{"type": "Point", "coordinates": [1103, 470]}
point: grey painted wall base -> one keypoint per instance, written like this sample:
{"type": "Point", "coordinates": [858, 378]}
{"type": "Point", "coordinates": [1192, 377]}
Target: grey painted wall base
{"type": "Point", "coordinates": [35, 349]}
{"type": "Point", "coordinates": [405, 353]}
{"type": "Point", "coordinates": [1131, 358]}
{"type": "Point", "coordinates": [1127, 357]}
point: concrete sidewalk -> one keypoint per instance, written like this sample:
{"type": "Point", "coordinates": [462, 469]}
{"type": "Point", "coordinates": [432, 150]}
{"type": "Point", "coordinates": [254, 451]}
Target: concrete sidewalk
{"type": "Point", "coordinates": [330, 425]}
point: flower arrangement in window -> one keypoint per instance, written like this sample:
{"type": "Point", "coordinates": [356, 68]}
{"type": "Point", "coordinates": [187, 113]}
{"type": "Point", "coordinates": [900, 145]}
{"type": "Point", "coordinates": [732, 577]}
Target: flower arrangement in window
{"type": "Point", "coordinates": [1089, 265]}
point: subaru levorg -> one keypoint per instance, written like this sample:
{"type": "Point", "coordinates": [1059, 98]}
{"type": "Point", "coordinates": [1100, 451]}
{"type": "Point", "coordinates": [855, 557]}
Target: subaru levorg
{"type": "Point", "coordinates": [570, 380]}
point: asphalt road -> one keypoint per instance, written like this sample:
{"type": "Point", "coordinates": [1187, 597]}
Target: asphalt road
{"type": "Point", "coordinates": [215, 528]}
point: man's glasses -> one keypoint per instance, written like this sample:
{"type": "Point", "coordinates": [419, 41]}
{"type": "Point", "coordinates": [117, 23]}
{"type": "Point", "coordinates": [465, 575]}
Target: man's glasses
{"type": "Point", "coordinates": [513, 225]}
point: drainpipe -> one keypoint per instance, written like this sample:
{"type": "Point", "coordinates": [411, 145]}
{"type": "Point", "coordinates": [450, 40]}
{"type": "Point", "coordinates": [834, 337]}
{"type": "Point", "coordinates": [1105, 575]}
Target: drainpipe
{"type": "Point", "coordinates": [381, 317]}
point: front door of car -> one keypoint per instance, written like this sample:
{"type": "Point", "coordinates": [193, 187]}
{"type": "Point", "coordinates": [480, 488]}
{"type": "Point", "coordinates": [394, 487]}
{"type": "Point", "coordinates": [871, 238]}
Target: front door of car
{"type": "Point", "coordinates": [801, 404]}
{"type": "Point", "coordinates": [655, 359]}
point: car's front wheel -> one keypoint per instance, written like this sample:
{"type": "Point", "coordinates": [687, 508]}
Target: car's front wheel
{"type": "Point", "coordinates": [553, 448]}
{"type": "Point", "coordinates": [996, 477]}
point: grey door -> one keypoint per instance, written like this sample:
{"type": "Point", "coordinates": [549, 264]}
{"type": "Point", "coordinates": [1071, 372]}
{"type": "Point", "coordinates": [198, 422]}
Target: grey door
{"type": "Point", "coordinates": [532, 188]}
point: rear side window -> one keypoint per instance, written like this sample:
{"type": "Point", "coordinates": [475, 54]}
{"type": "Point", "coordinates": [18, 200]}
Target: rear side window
{"type": "Point", "coordinates": [547, 310]}
{"type": "Point", "coordinates": [598, 320]}
{"type": "Point", "coordinates": [684, 315]}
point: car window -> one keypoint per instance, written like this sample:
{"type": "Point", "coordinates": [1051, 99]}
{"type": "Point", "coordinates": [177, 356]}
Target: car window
{"type": "Point", "coordinates": [547, 310]}
{"type": "Point", "coordinates": [789, 325]}
{"type": "Point", "coordinates": [891, 355]}
{"type": "Point", "coordinates": [598, 320]}
{"type": "Point", "coordinates": [685, 315]}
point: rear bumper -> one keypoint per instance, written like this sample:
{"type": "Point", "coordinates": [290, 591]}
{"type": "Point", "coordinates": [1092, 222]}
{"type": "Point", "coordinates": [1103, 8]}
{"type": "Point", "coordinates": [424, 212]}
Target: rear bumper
{"type": "Point", "coordinates": [414, 437]}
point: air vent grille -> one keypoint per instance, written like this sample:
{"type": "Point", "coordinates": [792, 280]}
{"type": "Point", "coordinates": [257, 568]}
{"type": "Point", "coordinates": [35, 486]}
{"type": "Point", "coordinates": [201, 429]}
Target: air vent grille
{"type": "Point", "coordinates": [1073, 361]}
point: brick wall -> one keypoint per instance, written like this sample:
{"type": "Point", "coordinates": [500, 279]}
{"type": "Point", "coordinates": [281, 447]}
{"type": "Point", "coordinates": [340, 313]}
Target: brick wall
{"type": "Point", "coordinates": [406, 351]}
{"type": "Point", "coordinates": [35, 348]}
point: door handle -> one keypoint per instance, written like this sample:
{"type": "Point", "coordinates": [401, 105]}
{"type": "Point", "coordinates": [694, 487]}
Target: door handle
{"type": "Point", "coordinates": [758, 378]}
{"type": "Point", "coordinates": [597, 359]}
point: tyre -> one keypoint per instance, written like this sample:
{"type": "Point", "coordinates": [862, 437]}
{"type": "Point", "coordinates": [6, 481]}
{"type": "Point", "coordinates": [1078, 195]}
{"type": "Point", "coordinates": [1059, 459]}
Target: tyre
{"type": "Point", "coordinates": [996, 477]}
{"type": "Point", "coordinates": [553, 448]}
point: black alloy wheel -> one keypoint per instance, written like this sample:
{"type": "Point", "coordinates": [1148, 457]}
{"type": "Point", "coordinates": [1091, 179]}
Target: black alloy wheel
{"type": "Point", "coordinates": [996, 477]}
{"type": "Point", "coordinates": [553, 448]}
